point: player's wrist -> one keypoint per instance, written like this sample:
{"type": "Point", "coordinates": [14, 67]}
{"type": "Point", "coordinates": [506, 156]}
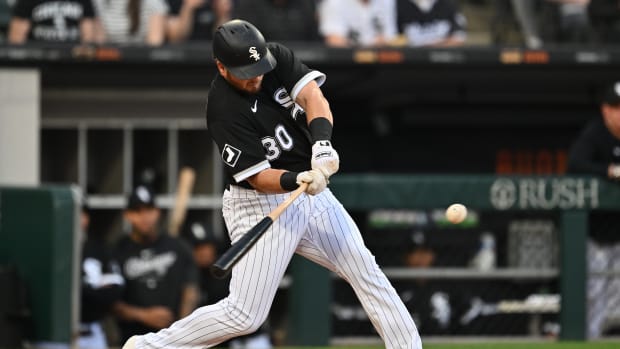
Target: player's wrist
{"type": "Point", "coordinates": [288, 181]}
{"type": "Point", "coordinates": [320, 129]}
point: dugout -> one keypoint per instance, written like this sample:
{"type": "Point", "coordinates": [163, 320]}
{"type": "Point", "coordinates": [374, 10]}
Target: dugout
{"type": "Point", "coordinates": [108, 114]}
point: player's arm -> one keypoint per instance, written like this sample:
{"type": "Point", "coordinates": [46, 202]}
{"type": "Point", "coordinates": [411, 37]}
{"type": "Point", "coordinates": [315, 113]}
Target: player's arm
{"type": "Point", "coordinates": [274, 180]}
{"type": "Point", "coordinates": [87, 30]}
{"type": "Point", "coordinates": [156, 317]}
{"type": "Point", "coordinates": [18, 30]}
{"type": "Point", "coordinates": [190, 294]}
{"type": "Point", "coordinates": [189, 300]}
{"type": "Point", "coordinates": [320, 122]}
{"type": "Point", "coordinates": [581, 158]}
{"type": "Point", "coordinates": [314, 103]}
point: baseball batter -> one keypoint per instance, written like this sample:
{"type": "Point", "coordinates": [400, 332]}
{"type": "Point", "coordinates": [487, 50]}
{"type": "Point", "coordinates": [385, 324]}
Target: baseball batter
{"type": "Point", "coordinates": [273, 126]}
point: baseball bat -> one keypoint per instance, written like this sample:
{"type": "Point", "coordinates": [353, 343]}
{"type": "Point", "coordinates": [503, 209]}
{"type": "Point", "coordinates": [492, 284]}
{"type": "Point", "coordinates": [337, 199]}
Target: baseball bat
{"type": "Point", "coordinates": [227, 261]}
{"type": "Point", "coordinates": [183, 192]}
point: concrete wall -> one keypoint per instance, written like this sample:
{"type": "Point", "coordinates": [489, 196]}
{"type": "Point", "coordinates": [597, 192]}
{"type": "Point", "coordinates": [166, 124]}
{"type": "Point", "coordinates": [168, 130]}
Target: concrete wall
{"type": "Point", "coordinates": [19, 126]}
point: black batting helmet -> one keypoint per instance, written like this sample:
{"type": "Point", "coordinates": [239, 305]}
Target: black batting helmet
{"type": "Point", "coordinates": [241, 48]}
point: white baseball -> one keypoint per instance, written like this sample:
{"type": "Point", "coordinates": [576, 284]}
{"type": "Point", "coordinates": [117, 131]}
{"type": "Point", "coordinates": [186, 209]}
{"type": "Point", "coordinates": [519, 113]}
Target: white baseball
{"type": "Point", "coordinates": [456, 213]}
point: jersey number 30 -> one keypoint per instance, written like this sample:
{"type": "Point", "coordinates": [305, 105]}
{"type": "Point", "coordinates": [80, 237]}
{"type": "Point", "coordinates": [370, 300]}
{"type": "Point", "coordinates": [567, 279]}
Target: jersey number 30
{"type": "Point", "coordinates": [274, 145]}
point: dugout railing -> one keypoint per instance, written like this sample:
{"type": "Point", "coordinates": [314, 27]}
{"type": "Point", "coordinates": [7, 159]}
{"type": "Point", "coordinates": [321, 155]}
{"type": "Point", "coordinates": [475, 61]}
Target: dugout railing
{"type": "Point", "coordinates": [571, 197]}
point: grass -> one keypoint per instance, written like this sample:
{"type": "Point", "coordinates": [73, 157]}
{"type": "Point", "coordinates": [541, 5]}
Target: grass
{"type": "Point", "coordinates": [553, 345]}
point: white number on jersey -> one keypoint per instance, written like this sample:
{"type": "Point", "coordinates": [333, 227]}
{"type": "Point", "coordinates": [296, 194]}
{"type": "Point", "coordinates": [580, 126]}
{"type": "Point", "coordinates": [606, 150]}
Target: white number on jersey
{"type": "Point", "coordinates": [274, 145]}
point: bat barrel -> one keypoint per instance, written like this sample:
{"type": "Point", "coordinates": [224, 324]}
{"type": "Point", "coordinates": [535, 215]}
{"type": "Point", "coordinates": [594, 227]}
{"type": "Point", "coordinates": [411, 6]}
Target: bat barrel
{"type": "Point", "coordinates": [227, 261]}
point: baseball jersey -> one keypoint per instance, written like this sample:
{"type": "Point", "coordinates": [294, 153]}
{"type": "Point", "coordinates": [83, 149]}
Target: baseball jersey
{"type": "Point", "coordinates": [54, 20]}
{"type": "Point", "coordinates": [265, 130]}
{"type": "Point", "coordinates": [592, 153]}
{"type": "Point", "coordinates": [439, 22]}
{"type": "Point", "coordinates": [155, 274]}
{"type": "Point", "coordinates": [102, 282]}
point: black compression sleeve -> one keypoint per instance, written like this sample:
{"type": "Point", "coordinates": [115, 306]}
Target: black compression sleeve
{"type": "Point", "coordinates": [288, 181]}
{"type": "Point", "coordinates": [320, 129]}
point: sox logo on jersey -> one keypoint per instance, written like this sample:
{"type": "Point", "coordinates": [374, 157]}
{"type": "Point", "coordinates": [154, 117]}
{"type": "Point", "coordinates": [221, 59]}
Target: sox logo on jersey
{"type": "Point", "coordinates": [282, 97]}
{"type": "Point", "coordinates": [230, 155]}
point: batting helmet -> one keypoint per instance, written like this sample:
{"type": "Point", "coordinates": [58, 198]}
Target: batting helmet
{"type": "Point", "coordinates": [242, 49]}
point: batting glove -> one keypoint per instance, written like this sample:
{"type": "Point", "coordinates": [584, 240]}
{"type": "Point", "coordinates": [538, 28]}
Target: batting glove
{"type": "Point", "coordinates": [325, 158]}
{"type": "Point", "coordinates": [315, 179]}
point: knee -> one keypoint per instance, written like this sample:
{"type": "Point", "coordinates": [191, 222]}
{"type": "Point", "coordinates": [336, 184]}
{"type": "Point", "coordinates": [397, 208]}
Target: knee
{"type": "Point", "coordinates": [245, 322]}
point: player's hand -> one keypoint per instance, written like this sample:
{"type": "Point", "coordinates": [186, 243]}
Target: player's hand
{"type": "Point", "coordinates": [325, 158]}
{"type": "Point", "coordinates": [613, 171]}
{"type": "Point", "coordinates": [316, 181]}
{"type": "Point", "coordinates": [157, 317]}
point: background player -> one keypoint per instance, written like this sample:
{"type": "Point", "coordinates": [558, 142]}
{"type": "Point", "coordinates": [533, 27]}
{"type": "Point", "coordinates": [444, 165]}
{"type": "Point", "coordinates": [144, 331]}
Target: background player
{"type": "Point", "coordinates": [273, 127]}
{"type": "Point", "coordinates": [159, 271]}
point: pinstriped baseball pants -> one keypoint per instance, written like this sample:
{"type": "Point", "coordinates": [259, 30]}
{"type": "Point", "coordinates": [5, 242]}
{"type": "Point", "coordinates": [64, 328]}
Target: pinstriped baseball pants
{"type": "Point", "coordinates": [316, 227]}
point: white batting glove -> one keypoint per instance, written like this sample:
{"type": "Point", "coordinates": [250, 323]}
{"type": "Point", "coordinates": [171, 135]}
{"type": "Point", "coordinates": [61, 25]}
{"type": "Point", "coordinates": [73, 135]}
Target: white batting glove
{"type": "Point", "coordinates": [325, 158]}
{"type": "Point", "coordinates": [315, 179]}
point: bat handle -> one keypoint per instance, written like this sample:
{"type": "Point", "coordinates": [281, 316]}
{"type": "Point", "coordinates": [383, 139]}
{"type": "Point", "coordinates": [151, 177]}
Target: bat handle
{"type": "Point", "coordinates": [294, 195]}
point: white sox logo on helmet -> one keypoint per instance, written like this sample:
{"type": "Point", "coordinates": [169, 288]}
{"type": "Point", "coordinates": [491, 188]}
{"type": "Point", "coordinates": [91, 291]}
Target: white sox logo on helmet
{"type": "Point", "coordinates": [254, 54]}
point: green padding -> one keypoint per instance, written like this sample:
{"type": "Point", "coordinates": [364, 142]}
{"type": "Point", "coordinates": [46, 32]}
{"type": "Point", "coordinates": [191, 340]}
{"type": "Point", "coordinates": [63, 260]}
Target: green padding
{"type": "Point", "coordinates": [36, 235]}
{"type": "Point", "coordinates": [572, 282]}
{"type": "Point", "coordinates": [481, 192]}
{"type": "Point", "coordinates": [309, 302]}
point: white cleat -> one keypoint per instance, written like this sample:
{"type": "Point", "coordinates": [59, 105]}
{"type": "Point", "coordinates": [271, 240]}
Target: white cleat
{"type": "Point", "coordinates": [131, 343]}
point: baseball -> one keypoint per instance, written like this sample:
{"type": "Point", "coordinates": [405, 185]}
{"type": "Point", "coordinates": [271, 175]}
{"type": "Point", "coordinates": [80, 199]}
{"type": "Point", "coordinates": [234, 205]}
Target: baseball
{"type": "Point", "coordinates": [456, 213]}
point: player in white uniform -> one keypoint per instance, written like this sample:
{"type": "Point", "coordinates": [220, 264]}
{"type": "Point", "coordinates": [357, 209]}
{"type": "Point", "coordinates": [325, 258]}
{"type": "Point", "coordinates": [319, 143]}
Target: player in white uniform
{"type": "Point", "coordinates": [273, 127]}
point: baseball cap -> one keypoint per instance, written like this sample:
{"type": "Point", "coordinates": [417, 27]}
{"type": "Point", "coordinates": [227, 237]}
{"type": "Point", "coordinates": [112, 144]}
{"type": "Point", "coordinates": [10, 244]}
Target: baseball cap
{"type": "Point", "coordinates": [417, 239]}
{"type": "Point", "coordinates": [198, 234]}
{"type": "Point", "coordinates": [242, 49]}
{"type": "Point", "coordinates": [141, 196]}
{"type": "Point", "coordinates": [611, 95]}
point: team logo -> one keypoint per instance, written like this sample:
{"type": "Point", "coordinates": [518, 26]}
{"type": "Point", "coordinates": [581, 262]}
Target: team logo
{"type": "Point", "coordinates": [254, 54]}
{"type": "Point", "coordinates": [503, 194]}
{"type": "Point", "coordinates": [230, 155]}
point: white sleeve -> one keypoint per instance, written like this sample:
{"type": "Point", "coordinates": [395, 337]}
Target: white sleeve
{"type": "Point", "coordinates": [331, 20]}
{"type": "Point", "coordinates": [389, 18]}
{"type": "Point", "coordinates": [157, 7]}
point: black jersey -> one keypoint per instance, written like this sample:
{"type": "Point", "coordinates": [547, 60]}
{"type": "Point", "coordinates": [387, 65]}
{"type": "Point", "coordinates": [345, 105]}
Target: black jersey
{"type": "Point", "coordinates": [54, 20]}
{"type": "Point", "coordinates": [155, 275]}
{"type": "Point", "coordinates": [268, 129]}
{"type": "Point", "coordinates": [594, 150]}
{"type": "Point", "coordinates": [101, 280]}
{"type": "Point", "coordinates": [592, 153]}
{"type": "Point", "coordinates": [420, 27]}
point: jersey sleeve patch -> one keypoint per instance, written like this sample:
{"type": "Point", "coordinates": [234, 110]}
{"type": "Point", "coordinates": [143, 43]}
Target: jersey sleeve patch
{"type": "Point", "coordinates": [230, 155]}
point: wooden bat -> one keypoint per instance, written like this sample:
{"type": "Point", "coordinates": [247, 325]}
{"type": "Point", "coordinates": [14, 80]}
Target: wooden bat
{"type": "Point", "coordinates": [227, 261]}
{"type": "Point", "coordinates": [185, 185]}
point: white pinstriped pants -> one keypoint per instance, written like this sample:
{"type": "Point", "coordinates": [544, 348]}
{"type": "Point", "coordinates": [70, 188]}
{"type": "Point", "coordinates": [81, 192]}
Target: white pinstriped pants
{"type": "Point", "coordinates": [316, 227]}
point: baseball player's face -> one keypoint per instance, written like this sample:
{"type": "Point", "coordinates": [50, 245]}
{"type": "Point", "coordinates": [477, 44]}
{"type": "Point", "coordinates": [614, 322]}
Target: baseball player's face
{"type": "Point", "coordinates": [144, 220]}
{"type": "Point", "coordinates": [611, 115]}
{"type": "Point", "coordinates": [250, 86]}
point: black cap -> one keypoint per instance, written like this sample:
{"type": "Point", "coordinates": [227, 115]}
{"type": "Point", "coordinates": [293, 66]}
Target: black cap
{"type": "Point", "coordinates": [611, 95]}
{"type": "Point", "coordinates": [242, 49]}
{"type": "Point", "coordinates": [198, 234]}
{"type": "Point", "coordinates": [141, 196]}
{"type": "Point", "coordinates": [417, 239]}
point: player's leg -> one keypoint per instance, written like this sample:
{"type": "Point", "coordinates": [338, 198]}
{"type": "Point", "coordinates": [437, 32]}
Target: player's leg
{"type": "Point", "coordinates": [613, 289]}
{"type": "Point", "coordinates": [255, 278]}
{"type": "Point", "coordinates": [598, 261]}
{"type": "Point", "coordinates": [337, 237]}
